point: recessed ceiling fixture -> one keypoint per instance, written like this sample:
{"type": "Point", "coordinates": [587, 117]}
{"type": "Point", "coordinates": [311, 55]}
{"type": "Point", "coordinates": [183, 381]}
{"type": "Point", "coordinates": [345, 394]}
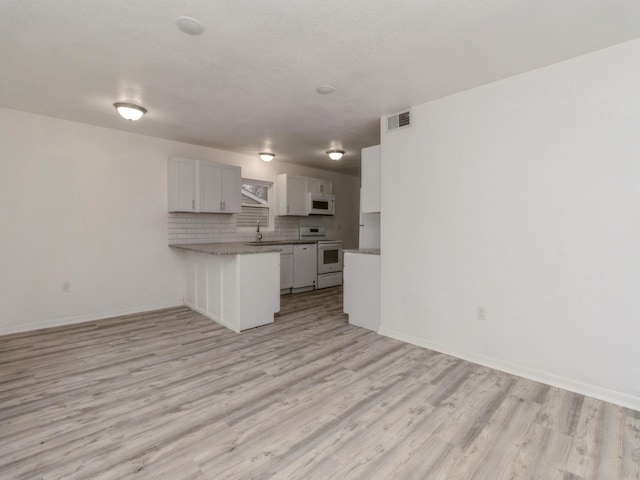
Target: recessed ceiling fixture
{"type": "Point", "coordinates": [189, 25]}
{"type": "Point", "coordinates": [325, 89]}
{"type": "Point", "coordinates": [266, 156]}
{"type": "Point", "coordinates": [129, 111]}
{"type": "Point", "coordinates": [335, 154]}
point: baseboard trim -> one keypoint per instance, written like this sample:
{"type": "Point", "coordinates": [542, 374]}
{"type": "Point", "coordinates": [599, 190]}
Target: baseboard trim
{"type": "Point", "coordinates": [595, 391]}
{"type": "Point", "coordinates": [212, 317]}
{"type": "Point", "coordinates": [83, 318]}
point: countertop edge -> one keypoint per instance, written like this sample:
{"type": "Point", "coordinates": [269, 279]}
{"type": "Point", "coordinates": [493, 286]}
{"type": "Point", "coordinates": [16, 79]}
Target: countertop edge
{"type": "Point", "coordinates": [226, 248]}
{"type": "Point", "coordinates": [364, 251]}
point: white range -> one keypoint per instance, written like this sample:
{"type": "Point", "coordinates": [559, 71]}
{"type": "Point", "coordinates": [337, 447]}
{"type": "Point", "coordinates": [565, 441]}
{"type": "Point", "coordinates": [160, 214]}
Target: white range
{"type": "Point", "coordinates": [329, 256]}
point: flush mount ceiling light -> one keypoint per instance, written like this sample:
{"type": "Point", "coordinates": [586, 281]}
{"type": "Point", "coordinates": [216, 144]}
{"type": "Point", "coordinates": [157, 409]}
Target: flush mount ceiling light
{"type": "Point", "coordinates": [325, 89]}
{"type": "Point", "coordinates": [266, 157]}
{"type": "Point", "coordinates": [129, 111]}
{"type": "Point", "coordinates": [335, 154]}
{"type": "Point", "coordinates": [189, 25]}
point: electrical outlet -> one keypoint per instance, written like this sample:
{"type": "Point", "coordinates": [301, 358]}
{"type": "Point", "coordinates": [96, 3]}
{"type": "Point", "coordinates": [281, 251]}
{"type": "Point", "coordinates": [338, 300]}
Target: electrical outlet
{"type": "Point", "coordinates": [482, 314]}
{"type": "Point", "coordinates": [66, 287]}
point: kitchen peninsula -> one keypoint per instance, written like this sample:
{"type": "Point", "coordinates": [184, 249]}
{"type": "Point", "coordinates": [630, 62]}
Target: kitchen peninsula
{"type": "Point", "coordinates": [232, 283]}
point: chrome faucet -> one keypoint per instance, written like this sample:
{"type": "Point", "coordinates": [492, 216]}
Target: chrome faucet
{"type": "Point", "coordinates": [258, 234]}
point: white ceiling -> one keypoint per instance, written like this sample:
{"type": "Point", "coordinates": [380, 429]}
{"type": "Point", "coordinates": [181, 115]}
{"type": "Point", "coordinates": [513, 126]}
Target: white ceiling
{"type": "Point", "coordinates": [248, 83]}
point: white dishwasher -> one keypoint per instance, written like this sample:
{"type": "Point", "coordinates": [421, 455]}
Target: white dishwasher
{"type": "Point", "coordinates": [305, 261]}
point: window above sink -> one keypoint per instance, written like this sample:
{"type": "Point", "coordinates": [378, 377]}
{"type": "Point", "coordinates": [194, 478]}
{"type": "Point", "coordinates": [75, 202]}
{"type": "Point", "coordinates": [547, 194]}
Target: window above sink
{"type": "Point", "coordinates": [255, 205]}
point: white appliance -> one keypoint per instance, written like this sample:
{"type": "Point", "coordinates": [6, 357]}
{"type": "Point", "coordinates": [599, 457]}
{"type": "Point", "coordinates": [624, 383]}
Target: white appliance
{"type": "Point", "coordinates": [329, 254]}
{"type": "Point", "coordinates": [329, 263]}
{"type": "Point", "coordinates": [304, 267]}
{"type": "Point", "coordinates": [322, 204]}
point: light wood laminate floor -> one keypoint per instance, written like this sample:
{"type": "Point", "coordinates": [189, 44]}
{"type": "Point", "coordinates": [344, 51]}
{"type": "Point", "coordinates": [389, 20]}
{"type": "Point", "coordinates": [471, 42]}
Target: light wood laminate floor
{"type": "Point", "coordinates": [172, 395]}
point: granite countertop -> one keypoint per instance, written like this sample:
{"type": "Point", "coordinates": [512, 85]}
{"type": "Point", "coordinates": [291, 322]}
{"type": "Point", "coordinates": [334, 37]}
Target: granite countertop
{"type": "Point", "coordinates": [286, 242]}
{"type": "Point", "coordinates": [237, 248]}
{"type": "Point", "coordinates": [365, 251]}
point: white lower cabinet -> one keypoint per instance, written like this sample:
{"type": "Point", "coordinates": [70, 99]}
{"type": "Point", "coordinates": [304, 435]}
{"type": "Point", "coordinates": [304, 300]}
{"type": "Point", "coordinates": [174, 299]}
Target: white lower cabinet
{"type": "Point", "coordinates": [236, 291]}
{"type": "Point", "coordinates": [361, 289]}
{"type": "Point", "coordinates": [286, 269]}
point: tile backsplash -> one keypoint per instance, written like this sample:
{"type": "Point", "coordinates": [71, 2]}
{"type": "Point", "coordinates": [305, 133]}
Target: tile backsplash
{"type": "Point", "coordinates": [220, 227]}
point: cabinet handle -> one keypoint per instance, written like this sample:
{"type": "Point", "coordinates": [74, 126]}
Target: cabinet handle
{"type": "Point", "coordinates": [221, 205]}
{"type": "Point", "coordinates": [193, 204]}
{"type": "Point", "coordinates": [287, 208]}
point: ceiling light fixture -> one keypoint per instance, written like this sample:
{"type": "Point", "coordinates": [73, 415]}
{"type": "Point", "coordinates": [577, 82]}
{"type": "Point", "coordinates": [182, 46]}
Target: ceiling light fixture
{"type": "Point", "coordinates": [335, 154]}
{"type": "Point", "coordinates": [325, 89]}
{"type": "Point", "coordinates": [266, 156]}
{"type": "Point", "coordinates": [129, 111]}
{"type": "Point", "coordinates": [189, 25]}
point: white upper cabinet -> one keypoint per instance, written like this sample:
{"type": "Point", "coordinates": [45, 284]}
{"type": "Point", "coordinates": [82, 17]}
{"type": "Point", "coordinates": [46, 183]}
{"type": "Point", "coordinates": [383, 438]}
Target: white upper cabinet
{"type": "Point", "coordinates": [318, 185]}
{"type": "Point", "coordinates": [231, 187]}
{"type": "Point", "coordinates": [210, 187]}
{"type": "Point", "coordinates": [292, 195]}
{"type": "Point", "coordinates": [182, 184]}
{"type": "Point", "coordinates": [205, 187]}
{"type": "Point", "coordinates": [370, 193]}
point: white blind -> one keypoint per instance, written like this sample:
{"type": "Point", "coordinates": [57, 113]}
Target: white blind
{"type": "Point", "coordinates": [251, 214]}
{"type": "Point", "coordinates": [255, 204]}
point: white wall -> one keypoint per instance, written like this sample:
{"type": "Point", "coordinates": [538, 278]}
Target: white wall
{"type": "Point", "coordinates": [524, 198]}
{"type": "Point", "coordinates": [88, 205]}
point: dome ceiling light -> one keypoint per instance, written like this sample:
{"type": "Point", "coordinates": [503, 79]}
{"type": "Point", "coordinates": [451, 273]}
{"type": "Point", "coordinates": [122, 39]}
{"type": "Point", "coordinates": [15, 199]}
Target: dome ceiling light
{"type": "Point", "coordinates": [335, 154]}
{"type": "Point", "coordinates": [325, 89]}
{"type": "Point", "coordinates": [189, 25]}
{"type": "Point", "coordinates": [266, 156]}
{"type": "Point", "coordinates": [129, 111]}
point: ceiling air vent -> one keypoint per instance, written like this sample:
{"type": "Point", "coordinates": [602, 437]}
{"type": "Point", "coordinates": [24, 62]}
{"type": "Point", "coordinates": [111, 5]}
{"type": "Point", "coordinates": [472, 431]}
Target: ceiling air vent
{"type": "Point", "coordinates": [399, 120]}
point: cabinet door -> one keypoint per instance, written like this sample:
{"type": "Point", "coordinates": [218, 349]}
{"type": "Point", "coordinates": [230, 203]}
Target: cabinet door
{"type": "Point", "coordinates": [317, 185]}
{"type": "Point", "coordinates": [305, 265]}
{"type": "Point", "coordinates": [210, 187]}
{"type": "Point", "coordinates": [370, 195]}
{"type": "Point", "coordinates": [314, 185]}
{"type": "Point", "coordinates": [348, 281]}
{"type": "Point", "coordinates": [182, 185]}
{"type": "Point", "coordinates": [291, 195]}
{"type": "Point", "coordinates": [286, 271]}
{"type": "Point", "coordinates": [231, 185]}
{"type": "Point", "coordinates": [362, 289]}
{"type": "Point", "coordinates": [297, 198]}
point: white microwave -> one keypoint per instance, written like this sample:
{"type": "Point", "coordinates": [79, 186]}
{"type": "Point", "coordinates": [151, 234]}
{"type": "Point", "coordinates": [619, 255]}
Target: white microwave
{"type": "Point", "coordinates": [322, 204]}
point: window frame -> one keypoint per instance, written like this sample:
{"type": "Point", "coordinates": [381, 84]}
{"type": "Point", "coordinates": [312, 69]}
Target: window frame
{"type": "Point", "coordinates": [264, 228]}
